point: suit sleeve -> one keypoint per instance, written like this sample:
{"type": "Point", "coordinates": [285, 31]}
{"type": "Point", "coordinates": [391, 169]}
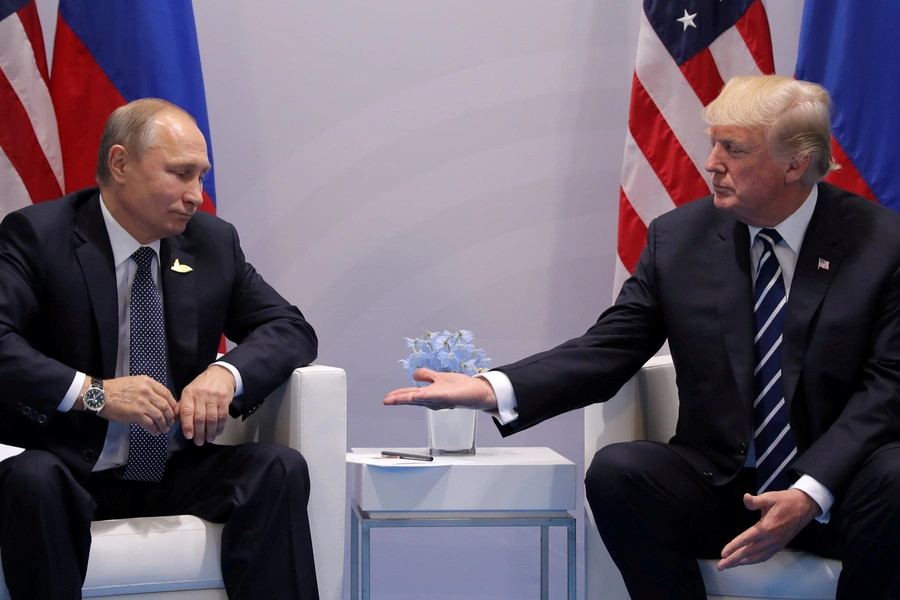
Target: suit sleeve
{"type": "Point", "coordinates": [593, 367]}
{"type": "Point", "coordinates": [273, 337]}
{"type": "Point", "coordinates": [33, 383]}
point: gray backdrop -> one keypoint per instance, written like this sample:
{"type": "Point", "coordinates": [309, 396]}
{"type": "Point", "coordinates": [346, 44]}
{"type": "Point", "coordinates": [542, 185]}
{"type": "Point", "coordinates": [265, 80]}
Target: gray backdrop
{"type": "Point", "coordinates": [394, 165]}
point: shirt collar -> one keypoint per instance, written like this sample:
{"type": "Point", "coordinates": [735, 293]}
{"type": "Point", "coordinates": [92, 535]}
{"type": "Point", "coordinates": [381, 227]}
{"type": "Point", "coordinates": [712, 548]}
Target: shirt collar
{"type": "Point", "coordinates": [123, 244]}
{"type": "Point", "coordinates": [793, 229]}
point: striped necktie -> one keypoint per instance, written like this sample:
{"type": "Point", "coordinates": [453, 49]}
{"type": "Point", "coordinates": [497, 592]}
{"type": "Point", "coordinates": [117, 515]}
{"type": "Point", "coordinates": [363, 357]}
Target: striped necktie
{"type": "Point", "coordinates": [775, 447]}
{"type": "Point", "coordinates": [146, 453]}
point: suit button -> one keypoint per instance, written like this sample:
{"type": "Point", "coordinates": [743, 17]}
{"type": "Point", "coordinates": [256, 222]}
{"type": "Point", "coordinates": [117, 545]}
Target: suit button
{"type": "Point", "coordinates": [26, 410]}
{"type": "Point", "coordinates": [743, 449]}
{"type": "Point", "coordinates": [707, 474]}
{"type": "Point", "coordinates": [89, 455]}
{"type": "Point", "coordinates": [42, 419]}
{"type": "Point", "coordinates": [33, 416]}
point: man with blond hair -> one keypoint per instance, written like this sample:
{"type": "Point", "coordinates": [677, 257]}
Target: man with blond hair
{"type": "Point", "coordinates": [113, 301]}
{"type": "Point", "coordinates": [779, 296]}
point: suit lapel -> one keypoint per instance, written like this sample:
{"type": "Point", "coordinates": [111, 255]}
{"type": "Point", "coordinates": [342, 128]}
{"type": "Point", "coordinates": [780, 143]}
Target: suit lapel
{"type": "Point", "coordinates": [180, 306]}
{"type": "Point", "coordinates": [811, 280]}
{"type": "Point", "coordinates": [95, 258]}
{"type": "Point", "coordinates": [731, 247]}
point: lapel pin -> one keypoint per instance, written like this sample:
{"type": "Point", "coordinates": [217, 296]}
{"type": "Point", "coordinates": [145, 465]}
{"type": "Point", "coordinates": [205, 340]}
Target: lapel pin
{"type": "Point", "coordinates": [180, 268]}
{"type": "Point", "coordinates": [823, 264]}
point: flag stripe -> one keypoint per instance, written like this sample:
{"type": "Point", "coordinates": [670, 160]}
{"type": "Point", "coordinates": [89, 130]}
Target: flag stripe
{"type": "Point", "coordinates": [86, 98]}
{"type": "Point", "coordinates": [847, 177]}
{"type": "Point", "coordinates": [672, 95]}
{"type": "Point", "coordinates": [732, 57]}
{"type": "Point", "coordinates": [703, 75]}
{"type": "Point", "coordinates": [22, 149]}
{"type": "Point", "coordinates": [639, 180]}
{"type": "Point", "coordinates": [631, 244]}
{"type": "Point", "coordinates": [15, 194]}
{"type": "Point", "coordinates": [754, 30]}
{"type": "Point", "coordinates": [673, 166]}
{"type": "Point", "coordinates": [31, 23]}
{"type": "Point", "coordinates": [29, 111]}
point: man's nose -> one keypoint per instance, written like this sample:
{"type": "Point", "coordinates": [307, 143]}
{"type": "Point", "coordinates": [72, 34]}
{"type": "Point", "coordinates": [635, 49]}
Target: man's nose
{"type": "Point", "coordinates": [194, 194]}
{"type": "Point", "coordinates": [713, 164]}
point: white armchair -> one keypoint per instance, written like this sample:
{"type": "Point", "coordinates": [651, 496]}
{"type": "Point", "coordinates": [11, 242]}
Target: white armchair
{"type": "Point", "coordinates": [647, 408]}
{"type": "Point", "coordinates": [177, 558]}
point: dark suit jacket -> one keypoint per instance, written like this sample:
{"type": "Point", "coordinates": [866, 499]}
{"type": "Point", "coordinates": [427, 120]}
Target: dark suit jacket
{"type": "Point", "coordinates": [58, 314]}
{"type": "Point", "coordinates": [692, 286]}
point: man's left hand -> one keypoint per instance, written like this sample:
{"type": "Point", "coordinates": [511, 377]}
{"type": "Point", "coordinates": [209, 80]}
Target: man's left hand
{"type": "Point", "coordinates": [784, 514]}
{"type": "Point", "coordinates": [204, 403]}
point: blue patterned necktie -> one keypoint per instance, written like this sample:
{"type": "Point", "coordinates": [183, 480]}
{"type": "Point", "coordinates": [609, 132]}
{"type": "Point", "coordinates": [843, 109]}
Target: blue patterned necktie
{"type": "Point", "coordinates": [146, 453]}
{"type": "Point", "coordinates": [775, 447]}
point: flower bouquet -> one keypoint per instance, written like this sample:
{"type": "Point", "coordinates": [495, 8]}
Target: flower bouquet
{"type": "Point", "coordinates": [451, 431]}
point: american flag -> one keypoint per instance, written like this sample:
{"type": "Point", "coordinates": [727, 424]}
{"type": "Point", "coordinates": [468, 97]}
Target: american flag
{"type": "Point", "coordinates": [30, 161]}
{"type": "Point", "coordinates": [687, 50]}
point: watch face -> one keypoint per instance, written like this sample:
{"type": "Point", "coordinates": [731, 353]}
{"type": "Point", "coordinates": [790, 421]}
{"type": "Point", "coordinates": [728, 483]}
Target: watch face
{"type": "Point", "coordinates": [94, 399]}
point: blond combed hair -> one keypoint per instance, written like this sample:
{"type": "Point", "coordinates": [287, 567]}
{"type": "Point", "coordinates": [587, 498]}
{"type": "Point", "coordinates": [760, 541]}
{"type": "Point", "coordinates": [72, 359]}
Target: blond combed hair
{"type": "Point", "coordinates": [795, 115]}
{"type": "Point", "coordinates": [129, 126]}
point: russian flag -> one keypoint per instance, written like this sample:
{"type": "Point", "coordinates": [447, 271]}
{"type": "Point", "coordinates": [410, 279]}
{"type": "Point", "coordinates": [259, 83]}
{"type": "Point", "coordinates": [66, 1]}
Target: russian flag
{"type": "Point", "coordinates": [851, 48]}
{"type": "Point", "coordinates": [107, 54]}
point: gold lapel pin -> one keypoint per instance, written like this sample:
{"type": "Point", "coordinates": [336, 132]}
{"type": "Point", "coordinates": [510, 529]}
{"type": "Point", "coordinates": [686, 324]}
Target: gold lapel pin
{"type": "Point", "coordinates": [180, 268]}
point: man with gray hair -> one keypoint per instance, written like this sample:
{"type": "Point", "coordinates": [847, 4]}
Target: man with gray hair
{"type": "Point", "coordinates": [779, 296]}
{"type": "Point", "coordinates": [113, 301]}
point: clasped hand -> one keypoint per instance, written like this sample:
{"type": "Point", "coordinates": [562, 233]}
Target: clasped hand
{"type": "Point", "coordinates": [447, 390]}
{"type": "Point", "coordinates": [203, 409]}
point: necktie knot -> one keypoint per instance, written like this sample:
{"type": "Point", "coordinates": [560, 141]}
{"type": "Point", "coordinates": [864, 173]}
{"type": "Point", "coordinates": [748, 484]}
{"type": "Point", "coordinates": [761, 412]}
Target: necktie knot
{"type": "Point", "coordinates": [769, 237]}
{"type": "Point", "coordinates": [143, 256]}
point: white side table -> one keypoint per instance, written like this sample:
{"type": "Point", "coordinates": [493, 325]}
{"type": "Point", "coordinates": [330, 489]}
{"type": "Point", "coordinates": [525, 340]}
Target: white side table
{"type": "Point", "coordinates": [498, 487]}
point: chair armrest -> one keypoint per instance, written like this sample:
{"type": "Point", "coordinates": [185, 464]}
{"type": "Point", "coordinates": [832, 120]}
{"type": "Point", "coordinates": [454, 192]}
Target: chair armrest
{"type": "Point", "coordinates": [646, 408]}
{"type": "Point", "coordinates": [308, 412]}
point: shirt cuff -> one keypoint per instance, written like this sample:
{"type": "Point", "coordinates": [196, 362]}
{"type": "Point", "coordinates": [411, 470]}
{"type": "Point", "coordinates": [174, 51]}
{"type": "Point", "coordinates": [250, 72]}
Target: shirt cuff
{"type": "Point", "coordinates": [506, 398]}
{"type": "Point", "coordinates": [71, 396]}
{"type": "Point", "coordinates": [238, 382]}
{"type": "Point", "coordinates": [819, 493]}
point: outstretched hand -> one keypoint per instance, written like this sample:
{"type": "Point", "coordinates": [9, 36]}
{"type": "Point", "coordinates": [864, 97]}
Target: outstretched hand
{"type": "Point", "coordinates": [447, 390]}
{"type": "Point", "coordinates": [784, 514]}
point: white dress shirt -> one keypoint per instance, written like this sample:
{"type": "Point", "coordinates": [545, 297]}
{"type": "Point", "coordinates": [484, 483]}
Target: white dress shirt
{"type": "Point", "coordinates": [793, 230]}
{"type": "Point", "coordinates": [115, 448]}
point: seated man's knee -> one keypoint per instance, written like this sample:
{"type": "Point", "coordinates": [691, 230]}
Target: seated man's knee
{"type": "Point", "coordinates": [32, 475]}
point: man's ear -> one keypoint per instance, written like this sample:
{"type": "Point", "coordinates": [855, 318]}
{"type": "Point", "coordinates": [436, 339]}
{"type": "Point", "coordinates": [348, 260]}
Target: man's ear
{"type": "Point", "coordinates": [796, 169]}
{"type": "Point", "coordinates": [118, 159]}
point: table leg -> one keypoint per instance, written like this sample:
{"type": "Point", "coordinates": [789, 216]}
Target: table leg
{"type": "Point", "coordinates": [366, 589]}
{"type": "Point", "coordinates": [570, 559]}
{"type": "Point", "coordinates": [545, 562]}
{"type": "Point", "coordinates": [354, 554]}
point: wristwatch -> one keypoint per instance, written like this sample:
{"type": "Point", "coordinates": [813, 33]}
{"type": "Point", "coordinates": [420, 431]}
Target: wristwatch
{"type": "Point", "coordinates": [94, 397]}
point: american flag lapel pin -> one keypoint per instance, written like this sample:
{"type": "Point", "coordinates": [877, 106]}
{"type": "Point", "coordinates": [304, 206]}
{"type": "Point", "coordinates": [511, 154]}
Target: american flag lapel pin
{"type": "Point", "coordinates": [823, 264]}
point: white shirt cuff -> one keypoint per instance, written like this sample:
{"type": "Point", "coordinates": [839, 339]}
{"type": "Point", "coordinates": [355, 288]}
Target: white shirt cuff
{"type": "Point", "coordinates": [238, 382]}
{"type": "Point", "coordinates": [71, 396]}
{"type": "Point", "coordinates": [506, 398]}
{"type": "Point", "coordinates": [819, 493]}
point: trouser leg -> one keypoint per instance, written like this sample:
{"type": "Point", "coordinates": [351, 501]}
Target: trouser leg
{"type": "Point", "coordinates": [260, 491]}
{"type": "Point", "coordinates": [869, 519]}
{"type": "Point", "coordinates": [45, 527]}
{"type": "Point", "coordinates": [656, 515]}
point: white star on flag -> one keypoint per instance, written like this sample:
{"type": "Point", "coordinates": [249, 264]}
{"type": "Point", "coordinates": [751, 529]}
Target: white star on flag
{"type": "Point", "coordinates": [687, 20]}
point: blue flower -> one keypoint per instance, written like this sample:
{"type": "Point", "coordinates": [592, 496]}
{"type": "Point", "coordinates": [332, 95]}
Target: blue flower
{"type": "Point", "coordinates": [448, 352]}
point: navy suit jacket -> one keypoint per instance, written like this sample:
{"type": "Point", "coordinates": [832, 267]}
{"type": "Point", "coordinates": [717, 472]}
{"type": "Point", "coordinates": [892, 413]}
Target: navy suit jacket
{"type": "Point", "coordinates": [692, 287]}
{"type": "Point", "coordinates": [58, 315]}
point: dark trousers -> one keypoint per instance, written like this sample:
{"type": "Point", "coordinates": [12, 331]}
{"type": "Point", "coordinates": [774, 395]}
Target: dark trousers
{"type": "Point", "coordinates": [259, 491]}
{"type": "Point", "coordinates": [657, 515]}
